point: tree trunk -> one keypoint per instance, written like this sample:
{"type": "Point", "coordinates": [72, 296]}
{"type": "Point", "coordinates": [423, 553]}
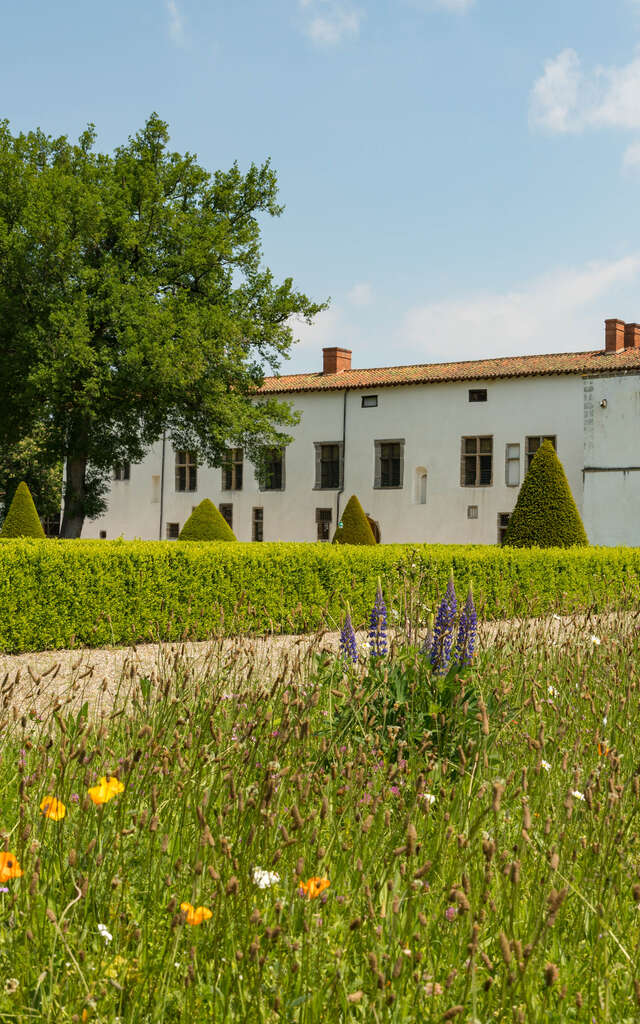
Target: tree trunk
{"type": "Point", "coordinates": [74, 497]}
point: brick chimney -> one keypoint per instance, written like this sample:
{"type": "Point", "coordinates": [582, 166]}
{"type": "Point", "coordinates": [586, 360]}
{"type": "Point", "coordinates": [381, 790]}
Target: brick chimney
{"type": "Point", "coordinates": [614, 335]}
{"type": "Point", "coordinates": [335, 360]}
{"type": "Point", "coordinates": [632, 335]}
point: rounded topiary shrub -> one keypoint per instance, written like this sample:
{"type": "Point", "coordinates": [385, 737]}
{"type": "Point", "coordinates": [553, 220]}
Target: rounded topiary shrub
{"type": "Point", "coordinates": [545, 515]}
{"type": "Point", "coordinates": [22, 518]}
{"type": "Point", "coordinates": [206, 523]}
{"type": "Point", "coordinates": [353, 527]}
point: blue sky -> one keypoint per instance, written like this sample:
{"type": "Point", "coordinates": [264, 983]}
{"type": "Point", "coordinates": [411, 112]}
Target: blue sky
{"type": "Point", "coordinates": [461, 177]}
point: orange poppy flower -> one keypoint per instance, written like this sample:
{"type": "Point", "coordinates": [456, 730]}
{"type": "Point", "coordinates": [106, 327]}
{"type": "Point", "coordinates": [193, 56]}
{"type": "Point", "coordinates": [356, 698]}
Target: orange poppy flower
{"type": "Point", "coordinates": [53, 808]}
{"type": "Point", "coordinates": [107, 788]}
{"type": "Point", "coordinates": [195, 915]}
{"type": "Point", "coordinates": [9, 867]}
{"type": "Point", "coordinates": [314, 887]}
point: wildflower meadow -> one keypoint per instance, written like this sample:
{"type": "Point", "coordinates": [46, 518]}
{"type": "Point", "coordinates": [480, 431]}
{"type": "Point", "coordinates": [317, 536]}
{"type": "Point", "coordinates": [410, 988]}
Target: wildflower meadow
{"type": "Point", "coordinates": [421, 827]}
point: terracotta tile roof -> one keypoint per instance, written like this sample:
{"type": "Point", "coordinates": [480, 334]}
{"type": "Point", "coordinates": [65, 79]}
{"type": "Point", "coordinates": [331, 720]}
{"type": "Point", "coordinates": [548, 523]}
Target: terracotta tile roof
{"type": "Point", "coordinates": [475, 369]}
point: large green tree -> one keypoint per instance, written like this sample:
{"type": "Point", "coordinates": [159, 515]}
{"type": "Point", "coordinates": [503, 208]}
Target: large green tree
{"type": "Point", "coordinates": [134, 300]}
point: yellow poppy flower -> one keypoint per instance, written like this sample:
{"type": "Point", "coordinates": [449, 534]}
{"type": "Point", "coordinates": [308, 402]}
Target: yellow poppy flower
{"type": "Point", "coordinates": [9, 867]}
{"type": "Point", "coordinates": [53, 808]}
{"type": "Point", "coordinates": [195, 915]}
{"type": "Point", "coordinates": [107, 788]}
{"type": "Point", "coordinates": [314, 887]}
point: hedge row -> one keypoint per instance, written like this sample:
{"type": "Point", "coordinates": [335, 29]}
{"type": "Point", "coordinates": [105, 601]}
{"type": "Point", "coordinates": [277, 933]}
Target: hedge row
{"type": "Point", "coordinates": [82, 593]}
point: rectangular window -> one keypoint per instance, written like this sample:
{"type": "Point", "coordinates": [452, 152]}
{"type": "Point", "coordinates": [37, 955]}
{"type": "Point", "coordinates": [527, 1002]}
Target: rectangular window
{"type": "Point", "coordinates": [533, 443]}
{"type": "Point", "coordinates": [226, 511]}
{"type": "Point", "coordinates": [477, 462]}
{"type": "Point", "coordinates": [323, 523]}
{"type": "Point", "coordinates": [257, 524]}
{"type": "Point", "coordinates": [512, 465]}
{"type": "Point", "coordinates": [173, 531]}
{"type": "Point", "coordinates": [369, 401]}
{"type": "Point", "coordinates": [329, 466]}
{"type": "Point", "coordinates": [122, 471]}
{"type": "Point", "coordinates": [232, 470]}
{"type": "Point", "coordinates": [472, 511]}
{"type": "Point", "coordinates": [103, 534]}
{"type": "Point", "coordinates": [272, 477]}
{"type": "Point", "coordinates": [503, 522]}
{"type": "Point", "coordinates": [389, 469]}
{"type": "Point", "coordinates": [477, 394]}
{"type": "Point", "coordinates": [186, 472]}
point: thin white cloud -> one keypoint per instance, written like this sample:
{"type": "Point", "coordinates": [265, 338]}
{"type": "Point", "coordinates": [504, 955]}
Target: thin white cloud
{"type": "Point", "coordinates": [329, 23]}
{"type": "Point", "coordinates": [568, 99]}
{"type": "Point", "coordinates": [361, 294]}
{"type": "Point", "coordinates": [176, 23]}
{"type": "Point", "coordinates": [553, 313]}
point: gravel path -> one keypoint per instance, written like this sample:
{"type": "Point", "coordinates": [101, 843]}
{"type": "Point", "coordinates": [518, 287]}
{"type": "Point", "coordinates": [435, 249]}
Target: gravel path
{"type": "Point", "coordinates": [105, 677]}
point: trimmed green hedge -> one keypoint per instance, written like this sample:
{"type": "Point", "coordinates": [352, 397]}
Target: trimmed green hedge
{"type": "Point", "coordinates": [90, 593]}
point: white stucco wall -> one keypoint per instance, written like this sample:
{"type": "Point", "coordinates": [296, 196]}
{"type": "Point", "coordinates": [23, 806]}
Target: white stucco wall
{"type": "Point", "coordinates": [431, 419]}
{"type": "Point", "coordinates": [612, 459]}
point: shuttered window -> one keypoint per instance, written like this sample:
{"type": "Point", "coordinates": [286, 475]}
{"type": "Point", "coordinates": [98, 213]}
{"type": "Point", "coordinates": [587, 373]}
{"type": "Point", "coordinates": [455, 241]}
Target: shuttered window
{"type": "Point", "coordinates": [389, 467]}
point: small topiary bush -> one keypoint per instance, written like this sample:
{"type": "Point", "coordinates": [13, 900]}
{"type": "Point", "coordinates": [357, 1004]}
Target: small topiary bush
{"type": "Point", "coordinates": [22, 518]}
{"type": "Point", "coordinates": [206, 523]}
{"type": "Point", "coordinates": [353, 527]}
{"type": "Point", "coordinates": [545, 515]}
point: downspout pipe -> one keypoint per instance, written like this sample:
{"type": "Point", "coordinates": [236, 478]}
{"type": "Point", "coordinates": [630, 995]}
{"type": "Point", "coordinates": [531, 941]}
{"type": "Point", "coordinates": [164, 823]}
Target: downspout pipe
{"type": "Point", "coordinates": [164, 439]}
{"type": "Point", "coordinates": [344, 436]}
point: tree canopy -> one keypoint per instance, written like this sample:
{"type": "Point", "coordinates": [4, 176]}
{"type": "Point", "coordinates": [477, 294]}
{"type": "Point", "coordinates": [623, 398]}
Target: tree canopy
{"type": "Point", "coordinates": [134, 300]}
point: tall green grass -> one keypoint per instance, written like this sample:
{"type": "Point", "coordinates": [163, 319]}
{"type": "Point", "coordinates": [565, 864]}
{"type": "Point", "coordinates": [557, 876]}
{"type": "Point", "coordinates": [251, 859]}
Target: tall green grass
{"type": "Point", "coordinates": [491, 877]}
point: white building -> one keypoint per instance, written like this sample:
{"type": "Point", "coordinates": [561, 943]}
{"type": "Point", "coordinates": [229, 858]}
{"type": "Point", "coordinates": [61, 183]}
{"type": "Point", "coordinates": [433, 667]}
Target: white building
{"type": "Point", "coordinates": [435, 453]}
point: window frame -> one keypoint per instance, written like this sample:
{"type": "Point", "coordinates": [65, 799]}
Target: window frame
{"type": "Point", "coordinates": [318, 448]}
{"type": "Point", "coordinates": [510, 460]}
{"type": "Point", "coordinates": [378, 461]}
{"type": "Point", "coordinates": [186, 463]}
{"type": "Point", "coordinates": [479, 394]}
{"type": "Point", "coordinates": [232, 476]}
{"type": "Point", "coordinates": [171, 536]}
{"type": "Point", "coordinates": [122, 471]}
{"type": "Point", "coordinates": [257, 524]}
{"type": "Point", "coordinates": [264, 482]}
{"type": "Point", "coordinates": [225, 508]}
{"type": "Point", "coordinates": [369, 402]}
{"type": "Point", "coordinates": [324, 521]}
{"type": "Point", "coordinates": [478, 454]}
{"type": "Point", "coordinates": [472, 512]}
{"type": "Point", "coordinates": [502, 527]}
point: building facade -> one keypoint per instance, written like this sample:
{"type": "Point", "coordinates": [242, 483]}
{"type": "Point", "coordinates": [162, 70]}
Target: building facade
{"type": "Point", "coordinates": [435, 453]}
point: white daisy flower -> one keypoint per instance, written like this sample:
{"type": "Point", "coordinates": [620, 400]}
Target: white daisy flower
{"type": "Point", "coordinates": [105, 933]}
{"type": "Point", "coordinates": [546, 766]}
{"type": "Point", "coordinates": [263, 879]}
{"type": "Point", "coordinates": [577, 794]}
{"type": "Point", "coordinates": [595, 640]}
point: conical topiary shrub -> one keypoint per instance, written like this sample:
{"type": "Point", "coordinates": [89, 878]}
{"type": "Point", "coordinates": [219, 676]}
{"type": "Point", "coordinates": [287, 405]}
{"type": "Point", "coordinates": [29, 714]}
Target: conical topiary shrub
{"type": "Point", "coordinates": [206, 523]}
{"type": "Point", "coordinates": [545, 515]}
{"type": "Point", "coordinates": [353, 527]}
{"type": "Point", "coordinates": [22, 518]}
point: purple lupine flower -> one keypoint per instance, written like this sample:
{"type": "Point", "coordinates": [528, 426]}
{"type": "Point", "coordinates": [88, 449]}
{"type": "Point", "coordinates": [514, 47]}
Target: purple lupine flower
{"type": "Point", "coordinates": [443, 630]}
{"type": "Point", "coordinates": [348, 647]}
{"type": "Point", "coordinates": [467, 628]}
{"type": "Point", "coordinates": [378, 625]}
